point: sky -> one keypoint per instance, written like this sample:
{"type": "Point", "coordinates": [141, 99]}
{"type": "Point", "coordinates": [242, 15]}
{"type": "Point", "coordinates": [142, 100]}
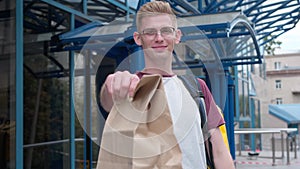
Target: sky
{"type": "Point", "coordinates": [290, 41]}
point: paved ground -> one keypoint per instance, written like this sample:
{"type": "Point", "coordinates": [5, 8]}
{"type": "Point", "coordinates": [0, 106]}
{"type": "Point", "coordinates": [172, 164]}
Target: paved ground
{"type": "Point", "coordinates": [264, 161]}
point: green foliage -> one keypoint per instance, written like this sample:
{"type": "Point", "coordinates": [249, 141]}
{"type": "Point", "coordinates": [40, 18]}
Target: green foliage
{"type": "Point", "coordinates": [271, 45]}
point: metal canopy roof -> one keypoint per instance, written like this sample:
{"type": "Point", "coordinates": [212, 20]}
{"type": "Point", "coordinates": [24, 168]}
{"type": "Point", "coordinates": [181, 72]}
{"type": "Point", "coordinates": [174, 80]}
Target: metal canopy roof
{"type": "Point", "coordinates": [231, 35]}
{"type": "Point", "coordinates": [231, 31]}
{"type": "Point", "coordinates": [290, 113]}
{"type": "Point", "coordinates": [43, 16]}
{"type": "Point", "coordinates": [269, 19]}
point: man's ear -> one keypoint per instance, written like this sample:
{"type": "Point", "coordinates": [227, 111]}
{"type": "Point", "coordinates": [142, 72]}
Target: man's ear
{"type": "Point", "coordinates": [137, 38]}
{"type": "Point", "coordinates": [178, 36]}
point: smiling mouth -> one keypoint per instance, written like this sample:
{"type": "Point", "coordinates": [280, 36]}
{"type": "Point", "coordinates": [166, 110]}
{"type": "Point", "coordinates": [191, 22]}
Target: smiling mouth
{"type": "Point", "coordinates": [159, 47]}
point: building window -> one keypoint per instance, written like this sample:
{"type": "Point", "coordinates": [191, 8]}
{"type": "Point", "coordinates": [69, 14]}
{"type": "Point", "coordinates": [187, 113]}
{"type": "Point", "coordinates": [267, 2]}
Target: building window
{"type": "Point", "coordinates": [278, 84]}
{"type": "Point", "coordinates": [278, 100]}
{"type": "Point", "coordinates": [277, 65]}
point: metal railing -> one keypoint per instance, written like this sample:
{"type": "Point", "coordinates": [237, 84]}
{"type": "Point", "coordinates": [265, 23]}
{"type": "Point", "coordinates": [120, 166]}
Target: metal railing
{"type": "Point", "coordinates": [272, 131]}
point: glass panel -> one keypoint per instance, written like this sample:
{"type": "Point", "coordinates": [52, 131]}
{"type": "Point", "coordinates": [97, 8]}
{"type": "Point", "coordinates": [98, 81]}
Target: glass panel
{"type": "Point", "coordinates": [7, 84]}
{"type": "Point", "coordinates": [46, 122]}
{"type": "Point", "coordinates": [49, 65]}
{"type": "Point", "coordinates": [89, 120]}
{"type": "Point", "coordinates": [240, 46]}
{"type": "Point", "coordinates": [46, 95]}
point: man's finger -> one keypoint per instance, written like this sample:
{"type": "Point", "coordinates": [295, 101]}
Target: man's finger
{"type": "Point", "coordinates": [109, 82]}
{"type": "Point", "coordinates": [133, 83]}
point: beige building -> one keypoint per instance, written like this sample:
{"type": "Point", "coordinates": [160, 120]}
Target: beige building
{"type": "Point", "coordinates": [280, 85]}
{"type": "Point", "coordinates": [283, 77]}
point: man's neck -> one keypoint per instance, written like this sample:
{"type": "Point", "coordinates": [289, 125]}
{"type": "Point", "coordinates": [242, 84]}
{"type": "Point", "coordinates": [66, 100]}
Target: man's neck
{"type": "Point", "coordinates": [159, 65]}
{"type": "Point", "coordinates": [155, 70]}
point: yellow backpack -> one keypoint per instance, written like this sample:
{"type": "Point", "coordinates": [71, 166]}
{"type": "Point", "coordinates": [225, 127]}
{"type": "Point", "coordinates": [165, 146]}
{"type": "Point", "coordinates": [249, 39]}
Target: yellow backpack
{"type": "Point", "coordinates": [223, 130]}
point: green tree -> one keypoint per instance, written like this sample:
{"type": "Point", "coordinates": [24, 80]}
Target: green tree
{"type": "Point", "coordinates": [271, 45]}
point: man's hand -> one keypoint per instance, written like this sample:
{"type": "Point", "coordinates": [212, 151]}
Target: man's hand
{"type": "Point", "coordinates": [117, 87]}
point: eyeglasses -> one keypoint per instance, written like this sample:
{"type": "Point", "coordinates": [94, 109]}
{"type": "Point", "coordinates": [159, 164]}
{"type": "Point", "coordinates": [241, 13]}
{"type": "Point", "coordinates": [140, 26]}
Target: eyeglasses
{"type": "Point", "coordinates": [166, 32]}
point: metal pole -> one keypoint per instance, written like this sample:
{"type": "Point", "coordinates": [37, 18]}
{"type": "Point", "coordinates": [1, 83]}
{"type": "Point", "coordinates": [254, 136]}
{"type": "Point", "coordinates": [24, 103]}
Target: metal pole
{"type": "Point", "coordinates": [72, 110]}
{"type": "Point", "coordinates": [19, 86]}
{"type": "Point", "coordinates": [240, 146]}
{"type": "Point", "coordinates": [84, 7]}
{"type": "Point", "coordinates": [87, 111]}
{"type": "Point", "coordinates": [287, 150]}
{"type": "Point", "coordinates": [282, 145]}
{"type": "Point", "coordinates": [253, 121]}
{"type": "Point", "coordinates": [295, 145]}
{"type": "Point", "coordinates": [127, 10]}
{"type": "Point", "coordinates": [273, 150]}
{"type": "Point", "coordinates": [229, 115]}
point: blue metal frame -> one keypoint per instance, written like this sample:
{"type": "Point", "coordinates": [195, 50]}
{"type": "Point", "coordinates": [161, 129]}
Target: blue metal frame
{"type": "Point", "coordinates": [252, 124]}
{"type": "Point", "coordinates": [210, 7]}
{"type": "Point", "coordinates": [253, 9]}
{"type": "Point", "coordinates": [84, 6]}
{"type": "Point", "coordinates": [88, 149]}
{"type": "Point", "coordinates": [19, 84]}
{"type": "Point", "coordinates": [120, 5]}
{"type": "Point", "coordinates": [236, 85]}
{"type": "Point", "coordinates": [72, 109]}
{"type": "Point", "coordinates": [40, 15]}
{"type": "Point", "coordinates": [228, 113]}
{"type": "Point", "coordinates": [71, 40]}
{"type": "Point", "coordinates": [183, 6]}
{"type": "Point", "coordinates": [67, 9]}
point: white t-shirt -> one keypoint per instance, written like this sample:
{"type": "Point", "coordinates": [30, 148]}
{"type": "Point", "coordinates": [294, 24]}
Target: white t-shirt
{"type": "Point", "coordinates": [186, 122]}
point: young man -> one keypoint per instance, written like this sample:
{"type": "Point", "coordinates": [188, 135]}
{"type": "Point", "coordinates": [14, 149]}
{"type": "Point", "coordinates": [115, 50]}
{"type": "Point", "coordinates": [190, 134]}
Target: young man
{"type": "Point", "coordinates": [157, 33]}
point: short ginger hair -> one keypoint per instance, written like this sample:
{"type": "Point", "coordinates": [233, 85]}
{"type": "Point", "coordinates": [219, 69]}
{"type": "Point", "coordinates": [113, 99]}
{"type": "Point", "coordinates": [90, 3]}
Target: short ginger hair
{"type": "Point", "coordinates": [155, 8]}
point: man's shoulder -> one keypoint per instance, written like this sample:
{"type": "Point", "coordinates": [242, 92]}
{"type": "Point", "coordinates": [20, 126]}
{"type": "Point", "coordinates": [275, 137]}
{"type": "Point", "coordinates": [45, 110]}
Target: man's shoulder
{"type": "Point", "coordinates": [201, 81]}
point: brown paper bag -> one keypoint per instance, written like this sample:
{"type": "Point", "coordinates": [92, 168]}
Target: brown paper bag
{"type": "Point", "coordinates": [138, 133]}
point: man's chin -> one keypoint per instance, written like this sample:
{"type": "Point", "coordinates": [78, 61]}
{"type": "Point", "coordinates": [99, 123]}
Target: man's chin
{"type": "Point", "coordinates": [162, 53]}
{"type": "Point", "coordinates": [160, 49]}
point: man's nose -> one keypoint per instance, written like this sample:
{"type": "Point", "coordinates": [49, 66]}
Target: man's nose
{"type": "Point", "coordinates": [158, 36]}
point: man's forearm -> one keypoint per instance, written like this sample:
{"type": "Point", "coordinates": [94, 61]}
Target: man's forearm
{"type": "Point", "coordinates": [222, 158]}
